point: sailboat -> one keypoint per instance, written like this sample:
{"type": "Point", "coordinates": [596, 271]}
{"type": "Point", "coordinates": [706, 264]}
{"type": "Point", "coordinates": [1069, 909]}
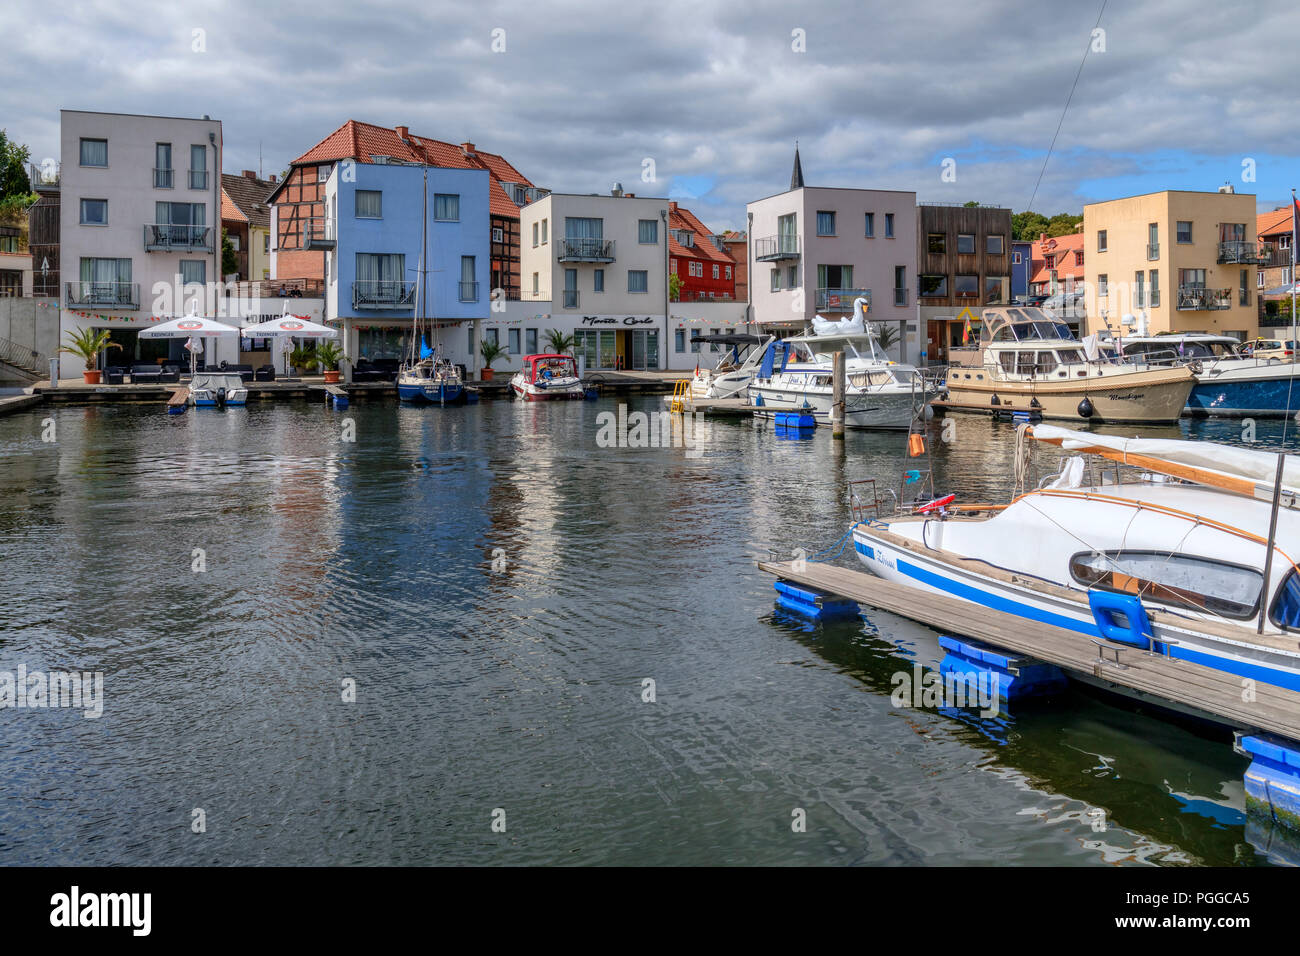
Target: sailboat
{"type": "Point", "coordinates": [427, 377]}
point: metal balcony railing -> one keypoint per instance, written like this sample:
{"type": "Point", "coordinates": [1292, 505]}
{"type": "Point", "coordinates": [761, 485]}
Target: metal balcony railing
{"type": "Point", "coordinates": [571, 249]}
{"type": "Point", "coordinates": [1239, 252]}
{"type": "Point", "coordinates": [44, 176]}
{"type": "Point", "coordinates": [840, 300]}
{"type": "Point", "coordinates": [165, 237]}
{"type": "Point", "coordinates": [382, 294]}
{"type": "Point", "coordinates": [1153, 251]}
{"type": "Point", "coordinates": [570, 298]}
{"type": "Point", "coordinates": [198, 179]}
{"type": "Point", "coordinates": [1273, 255]}
{"type": "Point", "coordinates": [772, 248]}
{"type": "Point", "coordinates": [900, 297]}
{"type": "Point", "coordinates": [469, 291]}
{"type": "Point", "coordinates": [163, 178]}
{"type": "Point", "coordinates": [319, 233]}
{"type": "Point", "coordinates": [104, 295]}
{"type": "Point", "coordinates": [1197, 299]}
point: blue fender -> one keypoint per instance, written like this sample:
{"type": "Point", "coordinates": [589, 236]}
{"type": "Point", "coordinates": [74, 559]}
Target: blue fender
{"type": "Point", "coordinates": [1121, 618]}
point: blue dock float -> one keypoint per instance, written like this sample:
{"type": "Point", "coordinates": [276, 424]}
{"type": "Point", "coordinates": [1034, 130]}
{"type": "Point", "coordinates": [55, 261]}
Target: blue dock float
{"type": "Point", "coordinates": [1017, 677]}
{"type": "Point", "coordinates": [336, 397]}
{"type": "Point", "coordinates": [1273, 778]}
{"type": "Point", "coordinates": [814, 604]}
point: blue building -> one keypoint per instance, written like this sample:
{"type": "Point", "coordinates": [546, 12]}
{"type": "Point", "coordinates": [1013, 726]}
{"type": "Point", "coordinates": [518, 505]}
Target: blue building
{"type": "Point", "coordinates": [372, 239]}
{"type": "Point", "coordinates": [1022, 257]}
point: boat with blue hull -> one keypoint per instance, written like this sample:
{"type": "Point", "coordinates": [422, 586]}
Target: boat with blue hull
{"type": "Point", "coordinates": [1186, 553]}
{"type": "Point", "coordinates": [1228, 382]}
{"type": "Point", "coordinates": [431, 381]}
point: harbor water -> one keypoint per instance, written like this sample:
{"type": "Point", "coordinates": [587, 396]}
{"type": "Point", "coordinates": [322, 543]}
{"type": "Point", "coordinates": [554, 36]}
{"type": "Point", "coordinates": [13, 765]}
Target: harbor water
{"type": "Point", "coordinates": [480, 635]}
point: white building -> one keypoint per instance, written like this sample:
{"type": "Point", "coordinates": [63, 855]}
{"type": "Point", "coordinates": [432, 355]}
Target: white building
{"type": "Point", "coordinates": [140, 230]}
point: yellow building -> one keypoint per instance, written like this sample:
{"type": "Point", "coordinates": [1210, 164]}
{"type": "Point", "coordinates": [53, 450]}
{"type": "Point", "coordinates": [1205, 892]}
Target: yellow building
{"type": "Point", "coordinates": [1185, 261]}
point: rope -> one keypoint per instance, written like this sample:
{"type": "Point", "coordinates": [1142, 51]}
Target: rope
{"type": "Point", "coordinates": [1023, 458]}
{"type": "Point", "coordinates": [841, 543]}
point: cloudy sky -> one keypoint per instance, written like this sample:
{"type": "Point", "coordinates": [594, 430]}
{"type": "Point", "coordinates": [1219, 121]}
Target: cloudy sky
{"type": "Point", "coordinates": [1176, 94]}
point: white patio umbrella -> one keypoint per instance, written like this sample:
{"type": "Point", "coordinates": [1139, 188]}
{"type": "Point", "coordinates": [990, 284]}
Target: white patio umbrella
{"type": "Point", "coordinates": [191, 326]}
{"type": "Point", "coordinates": [288, 326]}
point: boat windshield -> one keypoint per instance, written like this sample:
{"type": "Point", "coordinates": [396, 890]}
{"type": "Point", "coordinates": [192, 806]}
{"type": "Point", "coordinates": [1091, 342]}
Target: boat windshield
{"type": "Point", "coordinates": [554, 367]}
{"type": "Point", "coordinates": [822, 349]}
{"type": "Point", "coordinates": [1029, 331]}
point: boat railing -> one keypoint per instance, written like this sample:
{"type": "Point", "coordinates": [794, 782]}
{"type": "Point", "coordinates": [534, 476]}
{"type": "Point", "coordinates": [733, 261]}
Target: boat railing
{"type": "Point", "coordinates": [865, 502]}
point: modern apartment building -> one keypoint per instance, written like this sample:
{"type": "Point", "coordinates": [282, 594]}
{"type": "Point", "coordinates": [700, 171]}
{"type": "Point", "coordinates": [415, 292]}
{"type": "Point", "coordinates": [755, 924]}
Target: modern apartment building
{"type": "Point", "coordinates": [699, 258]}
{"type": "Point", "coordinates": [1180, 260]}
{"type": "Point", "coordinates": [140, 208]}
{"type": "Point", "coordinates": [374, 286]}
{"type": "Point", "coordinates": [814, 250]}
{"type": "Point", "coordinates": [601, 261]}
{"type": "Point", "coordinates": [298, 202]}
{"type": "Point", "coordinates": [963, 262]}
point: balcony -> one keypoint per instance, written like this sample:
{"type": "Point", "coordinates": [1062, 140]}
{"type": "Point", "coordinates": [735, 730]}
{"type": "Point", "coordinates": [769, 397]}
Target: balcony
{"type": "Point", "coordinates": [1239, 252]}
{"type": "Point", "coordinates": [163, 178]}
{"type": "Point", "coordinates": [570, 300]}
{"type": "Point", "coordinates": [319, 234]}
{"type": "Point", "coordinates": [104, 295]}
{"type": "Point", "coordinates": [198, 179]}
{"type": "Point", "coordinates": [841, 300]}
{"type": "Point", "coordinates": [469, 292]}
{"type": "Point", "coordinates": [1273, 255]}
{"type": "Point", "coordinates": [43, 176]}
{"type": "Point", "coordinates": [1196, 299]}
{"type": "Point", "coordinates": [382, 294]}
{"type": "Point", "coordinates": [571, 249]}
{"type": "Point", "coordinates": [1153, 251]}
{"type": "Point", "coordinates": [775, 248]}
{"type": "Point", "coordinates": [162, 237]}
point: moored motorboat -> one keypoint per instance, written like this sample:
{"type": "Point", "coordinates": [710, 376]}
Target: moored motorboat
{"type": "Point", "coordinates": [547, 376]}
{"type": "Point", "coordinates": [1028, 362]}
{"type": "Point", "coordinates": [217, 390]}
{"type": "Point", "coordinates": [1183, 547]}
{"type": "Point", "coordinates": [734, 371]}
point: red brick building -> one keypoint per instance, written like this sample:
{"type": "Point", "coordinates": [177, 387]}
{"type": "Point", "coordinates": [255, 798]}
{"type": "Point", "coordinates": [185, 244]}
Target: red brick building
{"type": "Point", "coordinates": [707, 271]}
{"type": "Point", "coordinates": [737, 246]}
{"type": "Point", "coordinates": [299, 199]}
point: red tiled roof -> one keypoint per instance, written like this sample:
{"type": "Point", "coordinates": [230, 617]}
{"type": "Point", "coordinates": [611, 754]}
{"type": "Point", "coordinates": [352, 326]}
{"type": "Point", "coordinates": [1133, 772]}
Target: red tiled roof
{"type": "Point", "coordinates": [1273, 223]}
{"type": "Point", "coordinates": [1063, 247]}
{"type": "Point", "coordinates": [364, 141]}
{"type": "Point", "coordinates": [249, 199]}
{"type": "Point", "coordinates": [229, 211]}
{"type": "Point", "coordinates": [679, 217]}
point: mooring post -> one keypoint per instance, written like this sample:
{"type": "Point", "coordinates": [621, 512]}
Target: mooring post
{"type": "Point", "coordinates": [837, 396]}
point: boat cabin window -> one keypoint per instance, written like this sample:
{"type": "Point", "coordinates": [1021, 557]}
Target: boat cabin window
{"type": "Point", "coordinates": [1046, 361]}
{"type": "Point", "coordinates": [1008, 361]}
{"type": "Point", "coordinates": [1286, 606]}
{"type": "Point", "coordinates": [1178, 580]}
{"type": "Point", "coordinates": [869, 379]}
{"type": "Point", "coordinates": [1026, 362]}
{"type": "Point", "coordinates": [1070, 356]}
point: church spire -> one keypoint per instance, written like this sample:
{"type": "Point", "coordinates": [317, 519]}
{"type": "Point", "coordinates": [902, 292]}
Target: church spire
{"type": "Point", "coordinates": [796, 175]}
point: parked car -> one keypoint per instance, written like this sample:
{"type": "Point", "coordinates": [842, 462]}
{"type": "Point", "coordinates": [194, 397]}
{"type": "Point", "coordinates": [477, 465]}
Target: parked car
{"type": "Point", "coordinates": [1065, 304]}
{"type": "Point", "coordinates": [1281, 349]}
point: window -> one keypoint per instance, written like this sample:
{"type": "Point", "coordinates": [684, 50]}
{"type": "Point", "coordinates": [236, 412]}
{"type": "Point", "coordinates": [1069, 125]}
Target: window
{"type": "Point", "coordinates": [1103, 282]}
{"type": "Point", "coordinates": [792, 277]}
{"type": "Point", "coordinates": [936, 244]}
{"type": "Point", "coordinates": [1244, 288]}
{"type": "Point", "coordinates": [1050, 262]}
{"type": "Point", "coordinates": [599, 280]}
{"type": "Point", "coordinates": [498, 234]}
{"type": "Point", "coordinates": [322, 173]}
{"type": "Point", "coordinates": [535, 228]}
{"type": "Point", "coordinates": [468, 279]}
{"type": "Point", "coordinates": [1101, 240]}
{"type": "Point", "coordinates": [1178, 580]}
{"type": "Point", "coordinates": [776, 280]}
{"type": "Point", "coordinates": [1154, 275]}
{"type": "Point", "coordinates": [370, 204]}
{"type": "Point", "coordinates": [446, 207]}
{"type": "Point", "coordinates": [679, 340]}
{"type": "Point", "coordinates": [1184, 232]}
{"type": "Point", "coordinates": [1139, 289]}
{"type": "Point", "coordinates": [966, 286]}
{"type": "Point", "coordinates": [544, 232]}
{"type": "Point", "coordinates": [995, 244]}
{"type": "Point", "coordinates": [825, 223]}
{"type": "Point", "coordinates": [995, 290]}
{"type": "Point", "coordinates": [647, 232]}
{"type": "Point", "coordinates": [637, 280]}
{"type": "Point", "coordinates": [162, 165]}
{"type": "Point", "coordinates": [672, 266]}
{"type": "Point", "coordinates": [492, 335]}
{"type": "Point", "coordinates": [530, 341]}
{"type": "Point", "coordinates": [106, 281]}
{"type": "Point", "coordinates": [965, 245]}
{"type": "Point", "coordinates": [94, 212]}
{"type": "Point", "coordinates": [512, 341]}
{"type": "Point", "coordinates": [94, 152]}
{"type": "Point", "coordinates": [934, 286]}
{"type": "Point", "coordinates": [266, 243]}
{"type": "Point", "coordinates": [1078, 257]}
{"type": "Point", "coordinates": [198, 167]}
{"type": "Point", "coordinates": [10, 239]}
{"type": "Point", "coordinates": [715, 272]}
{"type": "Point", "coordinates": [728, 272]}
{"type": "Point", "coordinates": [1191, 278]}
{"type": "Point", "coordinates": [534, 283]}
{"type": "Point", "coordinates": [871, 225]}
{"type": "Point", "coordinates": [1259, 279]}
{"type": "Point", "coordinates": [1016, 259]}
{"type": "Point", "coordinates": [889, 225]}
{"type": "Point", "coordinates": [193, 271]}
{"type": "Point", "coordinates": [695, 345]}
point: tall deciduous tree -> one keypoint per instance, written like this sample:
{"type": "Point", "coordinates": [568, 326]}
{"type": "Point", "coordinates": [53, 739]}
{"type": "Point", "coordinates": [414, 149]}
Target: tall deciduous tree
{"type": "Point", "coordinates": [15, 188]}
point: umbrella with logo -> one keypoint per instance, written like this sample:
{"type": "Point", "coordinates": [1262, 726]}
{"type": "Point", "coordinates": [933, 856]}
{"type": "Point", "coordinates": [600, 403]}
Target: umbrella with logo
{"type": "Point", "coordinates": [288, 327]}
{"type": "Point", "coordinates": [194, 327]}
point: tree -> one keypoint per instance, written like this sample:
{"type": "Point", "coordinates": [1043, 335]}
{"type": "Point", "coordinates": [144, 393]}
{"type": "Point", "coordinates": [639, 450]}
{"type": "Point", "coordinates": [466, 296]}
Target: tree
{"type": "Point", "coordinates": [558, 342]}
{"type": "Point", "coordinates": [1030, 225]}
{"type": "Point", "coordinates": [886, 334]}
{"type": "Point", "coordinates": [229, 258]}
{"type": "Point", "coordinates": [675, 287]}
{"type": "Point", "coordinates": [15, 188]}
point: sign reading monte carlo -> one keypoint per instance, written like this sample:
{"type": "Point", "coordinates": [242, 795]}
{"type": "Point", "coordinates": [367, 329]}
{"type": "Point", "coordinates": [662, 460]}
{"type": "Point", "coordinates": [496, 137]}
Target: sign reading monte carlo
{"type": "Point", "coordinates": [627, 321]}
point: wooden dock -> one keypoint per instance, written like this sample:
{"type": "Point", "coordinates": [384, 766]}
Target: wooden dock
{"type": "Point", "coordinates": [1158, 679]}
{"type": "Point", "coordinates": [717, 407]}
{"type": "Point", "coordinates": [180, 397]}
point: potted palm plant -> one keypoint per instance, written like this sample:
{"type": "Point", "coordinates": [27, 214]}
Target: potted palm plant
{"type": "Point", "coordinates": [558, 342]}
{"type": "Point", "coordinates": [490, 351]}
{"type": "Point", "coordinates": [89, 343]}
{"type": "Point", "coordinates": [301, 359]}
{"type": "Point", "coordinates": [329, 354]}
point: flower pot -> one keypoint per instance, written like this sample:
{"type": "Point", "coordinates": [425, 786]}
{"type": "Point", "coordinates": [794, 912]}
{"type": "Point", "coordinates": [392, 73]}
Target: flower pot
{"type": "Point", "coordinates": [331, 377]}
{"type": "Point", "coordinates": [487, 374]}
{"type": "Point", "coordinates": [92, 376]}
